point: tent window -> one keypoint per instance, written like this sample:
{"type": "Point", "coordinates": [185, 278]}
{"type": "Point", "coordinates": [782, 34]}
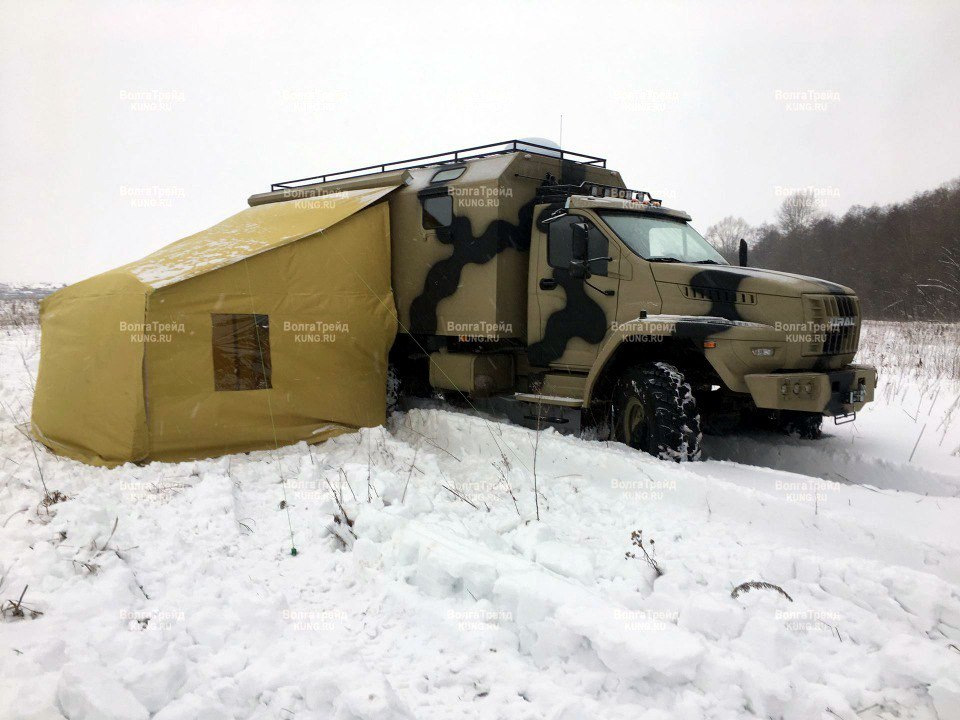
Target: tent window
{"type": "Point", "coordinates": [241, 352]}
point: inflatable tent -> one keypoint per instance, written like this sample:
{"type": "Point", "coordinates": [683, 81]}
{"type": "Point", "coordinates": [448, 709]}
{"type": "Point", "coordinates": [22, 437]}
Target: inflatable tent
{"type": "Point", "coordinates": [269, 328]}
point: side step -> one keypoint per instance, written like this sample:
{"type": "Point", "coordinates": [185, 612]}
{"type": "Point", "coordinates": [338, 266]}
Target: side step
{"type": "Point", "coordinates": [548, 400]}
{"type": "Point", "coordinates": [540, 411]}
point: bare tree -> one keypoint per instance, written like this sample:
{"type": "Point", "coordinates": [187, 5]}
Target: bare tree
{"type": "Point", "coordinates": [725, 235]}
{"type": "Point", "coordinates": [947, 281]}
{"type": "Point", "coordinates": [903, 259]}
{"type": "Point", "coordinates": [798, 211]}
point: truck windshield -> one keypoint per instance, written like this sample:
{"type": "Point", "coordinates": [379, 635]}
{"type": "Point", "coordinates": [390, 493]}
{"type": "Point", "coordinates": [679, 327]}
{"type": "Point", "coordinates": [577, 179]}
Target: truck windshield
{"type": "Point", "coordinates": [659, 239]}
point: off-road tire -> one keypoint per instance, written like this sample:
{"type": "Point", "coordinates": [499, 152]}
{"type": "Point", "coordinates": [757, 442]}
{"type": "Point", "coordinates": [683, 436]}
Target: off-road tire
{"type": "Point", "coordinates": [654, 411]}
{"type": "Point", "coordinates": [806, 425]}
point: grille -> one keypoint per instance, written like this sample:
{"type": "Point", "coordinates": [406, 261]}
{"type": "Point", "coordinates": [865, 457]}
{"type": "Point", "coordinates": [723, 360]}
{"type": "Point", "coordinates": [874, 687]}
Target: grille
{"type": "Point", "coordinates": [833, 324]}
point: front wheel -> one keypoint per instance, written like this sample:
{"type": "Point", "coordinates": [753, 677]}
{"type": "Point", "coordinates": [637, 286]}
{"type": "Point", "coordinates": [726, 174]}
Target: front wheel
{"type": "Point", "coordinates": [655, 411]}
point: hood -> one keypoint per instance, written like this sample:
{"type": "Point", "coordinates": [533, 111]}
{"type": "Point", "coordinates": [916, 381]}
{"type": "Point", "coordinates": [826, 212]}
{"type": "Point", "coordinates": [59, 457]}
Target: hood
{"type": "Point", "coordinates": [744, 279]}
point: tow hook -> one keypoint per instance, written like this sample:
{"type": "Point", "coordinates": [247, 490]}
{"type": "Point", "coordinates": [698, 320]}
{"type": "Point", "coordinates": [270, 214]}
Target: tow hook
{"type": "Point", "coordinates": [858, 395]}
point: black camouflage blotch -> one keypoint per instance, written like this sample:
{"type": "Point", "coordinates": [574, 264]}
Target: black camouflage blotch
{"type": "Point", "coordinates": [444, 277]}
{"type": "Point", "coordinates": [743, 273]}
{"type": "Point", "coordinates": [720, 280]}
{"type": "Point", "coordinates": [580, 317]}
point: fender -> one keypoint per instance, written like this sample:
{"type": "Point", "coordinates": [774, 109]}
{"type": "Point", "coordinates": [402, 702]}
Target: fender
{"type": "Point", "coordinates": [694, 327]}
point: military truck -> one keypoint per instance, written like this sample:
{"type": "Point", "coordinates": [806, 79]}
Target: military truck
{"type": "Point", "coordinates": [531, 279]}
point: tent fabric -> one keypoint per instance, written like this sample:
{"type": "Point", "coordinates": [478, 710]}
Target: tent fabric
{"type": "Point", "coordinates": [270, 328]}
{"type": "Point", "coordinates": [248, 233]}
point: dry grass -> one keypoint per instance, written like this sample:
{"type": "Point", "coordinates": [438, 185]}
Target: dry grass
{"type": "Point", "coordinates": [918, 350]}
{"type": "Point", "coordinates": [19, 313]}
{"type": "Point", "coordinates": [758, 585]}
{"type": "Point", "coordinates": [16, 608]}
{"type": "Point", "coordinates": [921, 355]}
{"type": "Point", "coordinates": [636, 539]}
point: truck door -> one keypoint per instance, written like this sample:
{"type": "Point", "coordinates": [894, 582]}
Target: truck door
{"type": "Point", "coordinates": [569, 316]}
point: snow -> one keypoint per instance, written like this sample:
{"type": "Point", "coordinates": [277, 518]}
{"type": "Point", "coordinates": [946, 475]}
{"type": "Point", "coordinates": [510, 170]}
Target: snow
{"type": "Point", "coordinates": [446, 597]}
{"type": "Point", "coordinates": [234, 241]}
{"type": "Point", "coordinates": [86, 692]}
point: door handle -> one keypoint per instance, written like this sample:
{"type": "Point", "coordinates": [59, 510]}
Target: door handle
{"type": "Point", "coordinates": [548, 283]}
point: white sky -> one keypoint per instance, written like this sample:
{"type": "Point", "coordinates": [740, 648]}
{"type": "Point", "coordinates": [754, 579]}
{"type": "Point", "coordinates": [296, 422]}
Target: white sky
{"type": "Point", "coordinates": [127, 125]}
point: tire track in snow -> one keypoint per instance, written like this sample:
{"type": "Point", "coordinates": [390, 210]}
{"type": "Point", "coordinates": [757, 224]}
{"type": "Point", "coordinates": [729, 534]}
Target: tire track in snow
{"type": "Point", "coordinates": [826, 458]}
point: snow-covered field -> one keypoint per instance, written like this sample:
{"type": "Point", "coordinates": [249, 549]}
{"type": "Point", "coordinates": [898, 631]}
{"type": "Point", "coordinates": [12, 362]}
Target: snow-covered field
{"type": "Point", "coordinates": [425, 587]}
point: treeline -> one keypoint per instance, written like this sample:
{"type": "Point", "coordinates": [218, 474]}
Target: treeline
{"type": "Point", "coordinates": [903, 259]}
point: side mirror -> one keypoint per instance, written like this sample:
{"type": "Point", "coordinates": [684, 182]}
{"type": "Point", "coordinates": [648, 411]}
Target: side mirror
{"type": "Point", "coordinates": [743, 253]}
{"type": "Point", "coordinates": [580, 249]}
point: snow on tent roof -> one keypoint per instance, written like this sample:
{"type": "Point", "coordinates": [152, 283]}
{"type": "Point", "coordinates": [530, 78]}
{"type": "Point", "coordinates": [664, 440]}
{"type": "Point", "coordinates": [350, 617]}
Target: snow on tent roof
{"type": "Point", "coordinates": [248, 233]}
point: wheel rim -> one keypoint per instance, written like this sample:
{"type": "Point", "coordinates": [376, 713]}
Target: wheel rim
{"type": "Point", "coordinates": [634, 421]}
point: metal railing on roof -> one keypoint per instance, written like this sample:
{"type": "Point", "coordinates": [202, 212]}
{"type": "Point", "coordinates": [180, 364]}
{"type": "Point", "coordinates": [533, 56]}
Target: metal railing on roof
{"type": "Point", "coordinates": [453, 156]}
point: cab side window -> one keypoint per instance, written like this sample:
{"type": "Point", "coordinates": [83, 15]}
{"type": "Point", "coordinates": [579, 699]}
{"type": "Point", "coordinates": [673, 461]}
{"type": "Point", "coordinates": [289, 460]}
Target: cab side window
{"type": "Point", "coordinates": [560, 244]}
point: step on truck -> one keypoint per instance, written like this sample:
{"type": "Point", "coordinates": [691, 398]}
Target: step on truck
{"type": "Point", "coordinates": [530, 279]}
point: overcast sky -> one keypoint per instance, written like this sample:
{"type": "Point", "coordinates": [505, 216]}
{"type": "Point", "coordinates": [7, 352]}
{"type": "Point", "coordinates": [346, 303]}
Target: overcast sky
{"type": "Point", "coordinates": [127, 125]}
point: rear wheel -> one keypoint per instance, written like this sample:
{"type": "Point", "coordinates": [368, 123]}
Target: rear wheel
{"type": "Point", "coordinates": [655, 411]}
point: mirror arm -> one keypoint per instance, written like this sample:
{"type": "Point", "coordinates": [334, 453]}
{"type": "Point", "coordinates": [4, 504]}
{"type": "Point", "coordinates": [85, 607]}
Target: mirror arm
{"type": "Point", "coordinates": [582, 267]}
{"type": "Point", "coordinates": [607, 293]}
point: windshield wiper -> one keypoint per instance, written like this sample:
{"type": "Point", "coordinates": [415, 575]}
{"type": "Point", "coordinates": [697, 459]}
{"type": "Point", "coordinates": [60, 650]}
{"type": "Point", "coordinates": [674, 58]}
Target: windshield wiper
{"type": "Point", "coordinates": [663, 259]}
{"type": "Point", "coordinates": [705, 262]}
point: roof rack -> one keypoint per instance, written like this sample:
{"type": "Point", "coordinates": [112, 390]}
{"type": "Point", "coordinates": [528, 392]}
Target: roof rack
{"type": "Point", "coordinates": [555, 192]}
{"type": "Point", "coordinates": [453, 156]}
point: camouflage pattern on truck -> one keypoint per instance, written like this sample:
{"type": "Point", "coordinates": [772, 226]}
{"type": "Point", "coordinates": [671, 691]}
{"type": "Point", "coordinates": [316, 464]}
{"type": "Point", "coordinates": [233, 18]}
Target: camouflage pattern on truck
{"type": "Point", "coordinates": [483, 262]}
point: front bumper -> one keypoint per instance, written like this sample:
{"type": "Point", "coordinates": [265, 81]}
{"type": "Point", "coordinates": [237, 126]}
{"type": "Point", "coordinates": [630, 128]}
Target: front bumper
{"type": "Point", "coordinates": [838, 392]}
